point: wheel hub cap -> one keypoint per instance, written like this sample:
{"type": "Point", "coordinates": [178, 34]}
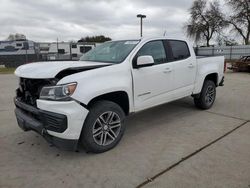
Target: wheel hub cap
{"type": "Point", "coordinates": [106, 128]}
{"type": "Point", "coordinates": [210, 94]}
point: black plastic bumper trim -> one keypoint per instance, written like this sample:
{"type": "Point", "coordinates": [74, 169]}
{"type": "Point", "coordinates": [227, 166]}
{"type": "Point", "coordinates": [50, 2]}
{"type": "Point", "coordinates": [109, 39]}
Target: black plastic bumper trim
{"type": "Point", "coordinates": [64, 144]}
{"type": "Point", "coordinates": [26, 107]}
{"type": "Point", "coordinates": [26, 121]}
{"type": "Point", "coordinates": [50, 120]}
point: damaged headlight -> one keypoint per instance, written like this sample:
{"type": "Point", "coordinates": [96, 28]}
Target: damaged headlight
{"type": "Point", "coordinates": [59, 92]}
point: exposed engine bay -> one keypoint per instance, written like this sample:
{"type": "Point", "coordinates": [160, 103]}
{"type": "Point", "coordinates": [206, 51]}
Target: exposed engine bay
{"type": "Point", "coordinates": [29, 89]}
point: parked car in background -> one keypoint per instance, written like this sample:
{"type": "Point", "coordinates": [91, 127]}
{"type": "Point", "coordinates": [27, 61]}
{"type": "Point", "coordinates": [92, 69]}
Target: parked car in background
{"type": "Point", "coordinates": [242, 65]}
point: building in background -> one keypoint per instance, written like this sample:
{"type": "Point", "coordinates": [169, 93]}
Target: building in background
{"type": "Point", "coordinates": [18, 47]}
{"type": "Point", "coordinates": [59, 51]}
{"type": "Point", "coordinates": [78, 49]}
{"type": "Point", "coordinates": [68, 50]}
{"type": "Point", "coordinates": [43, 50]}
{"type": "Point", "coordinates": [15, 53]}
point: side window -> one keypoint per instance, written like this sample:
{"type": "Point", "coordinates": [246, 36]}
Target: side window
{"type": "Point", "coordinates": [179, 49]}
{"type": "Point", "coordinates": [61, 51]}
{"type": "Point", "coordinates": [155, 49]}
{"type": "Point", "coordinates": [84, 49]}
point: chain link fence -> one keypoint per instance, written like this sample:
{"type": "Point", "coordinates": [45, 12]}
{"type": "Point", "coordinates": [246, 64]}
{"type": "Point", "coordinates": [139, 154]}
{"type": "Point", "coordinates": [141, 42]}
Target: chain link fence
{"type": "Point", "coordinates": [16, 53]}
{"type": "Point", "coordinates": [229, 52]}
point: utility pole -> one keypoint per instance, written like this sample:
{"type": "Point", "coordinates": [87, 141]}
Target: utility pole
{"type": "Point", "coordinates": [141, 16]}
{"type": "Point", "coordinates": [70, 50]}
{"type": "Point", "coordinates": [57, 48]}
{"type": "Point", "coordinates": [165, 33]}
{"type": "Point", "coordinates": [26, 47]}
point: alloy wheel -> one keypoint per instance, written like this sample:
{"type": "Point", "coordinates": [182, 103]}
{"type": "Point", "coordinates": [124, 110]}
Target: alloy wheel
{"type": "Point", "coordinates": [106, 128]}
{"type": "Point", "coordinates": [210, 95]}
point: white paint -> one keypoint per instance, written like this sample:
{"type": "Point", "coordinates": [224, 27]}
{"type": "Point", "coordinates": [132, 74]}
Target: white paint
{"type": "Point", "coordinates": [146, 87]}
{"type": "Point", "coordinates": [49, 69]}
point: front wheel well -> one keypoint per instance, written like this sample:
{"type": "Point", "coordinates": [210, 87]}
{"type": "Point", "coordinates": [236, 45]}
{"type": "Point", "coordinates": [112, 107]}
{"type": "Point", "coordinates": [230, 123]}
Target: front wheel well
{"type": "Point", "coordinates": [118, 97]}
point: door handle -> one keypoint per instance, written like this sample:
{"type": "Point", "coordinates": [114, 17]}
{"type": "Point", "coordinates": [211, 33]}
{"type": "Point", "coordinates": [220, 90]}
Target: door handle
{"type": "Point", "coordinates": [191, 65]}
{"type": "Point", "coordinates": [167, 70]}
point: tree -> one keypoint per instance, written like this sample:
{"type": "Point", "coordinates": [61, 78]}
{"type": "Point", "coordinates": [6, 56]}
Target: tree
{"type": "Point", "coordinates": [230, 42]}
{"type": "Point", "coordinates": [99, 38]}
{"type": "Point", "coordinates": [226, 40]}
{"type": "Point", "coordinates": [206, 21]}
{"type": "Point", "coordinates": [240, 18]}
{"type": "Point", "coordinates": [17, 36]}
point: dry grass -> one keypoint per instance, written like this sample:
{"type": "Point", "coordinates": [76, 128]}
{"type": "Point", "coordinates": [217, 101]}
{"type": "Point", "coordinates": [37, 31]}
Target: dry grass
{"type": "Point", "coordinates": [7, 70]}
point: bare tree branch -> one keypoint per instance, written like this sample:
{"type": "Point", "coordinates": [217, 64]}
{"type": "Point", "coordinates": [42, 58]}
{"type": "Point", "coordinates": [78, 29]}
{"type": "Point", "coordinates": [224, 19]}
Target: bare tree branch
{"type": "Point", "coordinates": [206, 20]}
{"type": "Point", "coordinates": [240, 18]}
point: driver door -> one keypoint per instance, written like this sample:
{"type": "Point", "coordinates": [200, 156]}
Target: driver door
{"type": "Point", "coordinates": [152, 84]}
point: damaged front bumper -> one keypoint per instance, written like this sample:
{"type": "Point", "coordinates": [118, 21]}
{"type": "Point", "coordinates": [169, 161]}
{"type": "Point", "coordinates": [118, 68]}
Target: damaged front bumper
{"type": "Point", "coordinates": [52, 120]}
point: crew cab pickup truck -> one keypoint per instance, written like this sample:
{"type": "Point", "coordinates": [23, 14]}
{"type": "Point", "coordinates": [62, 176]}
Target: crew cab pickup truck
{"type": "Point", "coordinates": [84, 103]}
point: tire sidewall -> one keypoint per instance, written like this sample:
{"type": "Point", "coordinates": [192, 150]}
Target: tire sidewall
{"type": "Point", "coordinates": [207, 83]}
{"type": "Point", "coordinates": [96, 110]}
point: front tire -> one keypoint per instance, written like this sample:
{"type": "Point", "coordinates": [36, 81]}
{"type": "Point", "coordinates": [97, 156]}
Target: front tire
{"type": "Point", "coordinates": [103, 128]}
{"type": "Point", "coordinates": [207, 96]}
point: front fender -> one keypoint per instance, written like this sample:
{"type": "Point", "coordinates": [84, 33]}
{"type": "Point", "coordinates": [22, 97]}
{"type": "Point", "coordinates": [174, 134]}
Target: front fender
{"type": "Point", "coordinates": [93, 83]}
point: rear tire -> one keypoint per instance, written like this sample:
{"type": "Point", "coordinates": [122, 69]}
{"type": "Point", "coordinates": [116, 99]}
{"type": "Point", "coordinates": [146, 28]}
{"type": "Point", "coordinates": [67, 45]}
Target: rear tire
{"type": "Point", "coordinates": [103, 127]}
{"type": "Point", "coordinates": [207, 96]}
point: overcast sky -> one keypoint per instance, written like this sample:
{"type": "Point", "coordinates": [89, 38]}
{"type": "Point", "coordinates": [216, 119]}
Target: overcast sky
{"type": "Point", "coordinates": [45, 20]}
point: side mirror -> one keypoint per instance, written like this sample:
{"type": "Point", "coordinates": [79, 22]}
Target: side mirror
{"type": "Point", "coordinates": [144, 61]}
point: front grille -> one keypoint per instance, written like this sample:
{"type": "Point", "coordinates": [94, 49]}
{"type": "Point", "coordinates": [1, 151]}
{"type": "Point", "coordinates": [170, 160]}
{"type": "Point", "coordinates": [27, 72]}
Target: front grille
{"type": "Point", "coordinates": [29, 89]}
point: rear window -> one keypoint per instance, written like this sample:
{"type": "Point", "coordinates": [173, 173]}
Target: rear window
{"type": "Point", "coordinates": [180, 49]}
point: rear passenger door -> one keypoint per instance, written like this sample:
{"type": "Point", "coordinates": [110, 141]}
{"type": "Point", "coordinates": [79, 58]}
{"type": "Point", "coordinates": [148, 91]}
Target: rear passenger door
{"type": "Point", "coordinates": [184, 67]}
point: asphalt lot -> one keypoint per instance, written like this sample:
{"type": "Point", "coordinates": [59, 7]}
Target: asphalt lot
{"type": "Point", "coordinates": [173, 145]}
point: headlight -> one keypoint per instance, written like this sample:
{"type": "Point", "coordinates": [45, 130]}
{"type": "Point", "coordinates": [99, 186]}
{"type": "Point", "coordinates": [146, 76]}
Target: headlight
{"type": "Point", "coordinates": [58, 92]}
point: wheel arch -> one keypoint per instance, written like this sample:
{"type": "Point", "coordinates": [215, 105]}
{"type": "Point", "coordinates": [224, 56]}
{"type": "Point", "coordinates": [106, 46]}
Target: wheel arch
{"type": "Point", "coordinates": [119, 97]}
{"type": "Point", "coordinates": [213, 77]}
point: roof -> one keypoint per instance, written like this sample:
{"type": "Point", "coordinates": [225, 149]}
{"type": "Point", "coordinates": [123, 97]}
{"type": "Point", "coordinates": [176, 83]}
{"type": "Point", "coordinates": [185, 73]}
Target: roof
{"type": "Point", "coordinates": [156, 38]}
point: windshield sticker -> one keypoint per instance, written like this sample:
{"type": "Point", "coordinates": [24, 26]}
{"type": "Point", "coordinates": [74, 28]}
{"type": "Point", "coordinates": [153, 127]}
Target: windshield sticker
{"type": "Point", "coordinates": [131, 42]}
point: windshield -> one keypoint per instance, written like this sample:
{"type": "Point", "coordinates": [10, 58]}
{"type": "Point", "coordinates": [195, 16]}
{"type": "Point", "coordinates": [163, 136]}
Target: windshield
{"type": "Point", "coordinates": [110, 52]}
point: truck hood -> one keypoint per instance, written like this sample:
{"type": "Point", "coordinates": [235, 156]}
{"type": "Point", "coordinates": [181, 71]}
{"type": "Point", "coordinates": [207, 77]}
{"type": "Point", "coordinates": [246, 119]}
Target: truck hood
{"type": "Point", "coordinates": [51, 69]}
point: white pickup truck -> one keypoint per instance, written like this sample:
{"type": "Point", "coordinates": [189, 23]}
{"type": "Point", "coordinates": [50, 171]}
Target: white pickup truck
{"type": "Point", "coordinates": [85, 103]}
